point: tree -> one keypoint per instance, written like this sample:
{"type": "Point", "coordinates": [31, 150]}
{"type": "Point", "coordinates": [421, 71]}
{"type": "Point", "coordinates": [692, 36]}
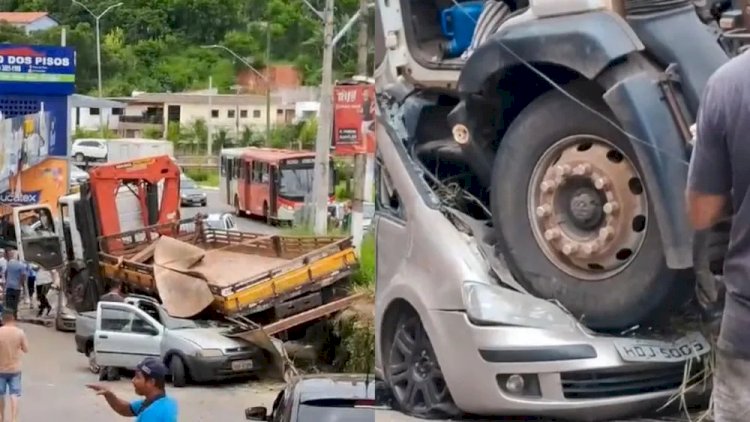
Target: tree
{"type": "Point", "coordinates": [151, 45]}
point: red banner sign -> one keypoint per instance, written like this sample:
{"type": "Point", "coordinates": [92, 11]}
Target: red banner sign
{"type": "Point", "coordinates": [354, 119]}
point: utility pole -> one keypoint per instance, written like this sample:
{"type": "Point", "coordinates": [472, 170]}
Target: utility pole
{"type": "Point", "coordinates": [268, 84]}
{"type": "Point", "coordinates": [209, 123]}
{"type": "Point", "coordinates": [323, 142]}
{"type": "Point", "coordinates": [360, 159]}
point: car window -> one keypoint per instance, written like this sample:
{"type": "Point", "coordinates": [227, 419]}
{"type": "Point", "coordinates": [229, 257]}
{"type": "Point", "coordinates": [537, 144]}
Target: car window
{"type": "Point", "coordinates": [114, 319]}
{"type": "Point", "coordinates": [229, 222]}
{"type": "Point", "coordinates": [311, 412]}
{"type": "Point", "coordinates": [124, 321]}
{"type": "Point", "coordinates": [187, 184]}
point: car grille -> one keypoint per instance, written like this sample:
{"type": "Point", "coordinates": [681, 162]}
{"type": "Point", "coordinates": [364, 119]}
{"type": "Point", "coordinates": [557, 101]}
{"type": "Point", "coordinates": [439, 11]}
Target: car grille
{"type": "Point", "coordinates": [620, 382]}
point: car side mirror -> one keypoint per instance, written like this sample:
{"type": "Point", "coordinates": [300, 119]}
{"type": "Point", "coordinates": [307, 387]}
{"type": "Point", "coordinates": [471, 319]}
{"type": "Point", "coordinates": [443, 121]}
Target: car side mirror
{"type": "Point", "coordinates": [153, 331]}
{"type": "Point", "coordinates": [257, 413]}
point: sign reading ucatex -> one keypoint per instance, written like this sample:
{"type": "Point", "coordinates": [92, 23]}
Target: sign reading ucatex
{"type": "Point", "coordinates": [49, 68]}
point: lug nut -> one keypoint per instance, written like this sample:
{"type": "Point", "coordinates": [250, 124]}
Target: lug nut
{"type": "Point", "coordinates": [586, 250]}
{"type": "Point", "coordinates": [606, 233]}
{"type": "Point", "coordinates": [562, 170]}
{"type": "Point", "coordinates": [581, 169]}
{"type": "Point", "coordinates": [611, 207]}
{"type": "Point", "coordinates": [569, 248]}
{"type": "Point", "coordinates": [461, 134]}
{"type": "Point", "coordinates": [551, 234]}
{"type": "Point", "coordinates": [600, 183]}
{"type": "Point", "coordinates": [548, 186]}
{"type": "Point", "coordinates": [543, 210]}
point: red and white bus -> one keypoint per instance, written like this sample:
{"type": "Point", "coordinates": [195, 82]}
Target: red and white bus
{"type": "Point", "coordinates": [274, 183]}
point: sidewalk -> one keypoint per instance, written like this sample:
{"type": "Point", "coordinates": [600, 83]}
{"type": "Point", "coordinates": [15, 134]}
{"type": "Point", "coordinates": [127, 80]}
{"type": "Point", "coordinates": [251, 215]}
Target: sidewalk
{"type": "Point", "coordinates": [28, 315]}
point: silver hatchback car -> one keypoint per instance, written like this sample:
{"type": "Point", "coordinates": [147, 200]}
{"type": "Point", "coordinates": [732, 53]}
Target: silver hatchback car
{"type": "Point", "coordinates": [456, 333]}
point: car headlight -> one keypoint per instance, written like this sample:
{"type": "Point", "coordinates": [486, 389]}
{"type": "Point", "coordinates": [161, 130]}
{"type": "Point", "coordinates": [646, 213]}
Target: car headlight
{"type": "Point", "coordinates": [183, 196]}
{"type": "Point", "coordinates": [487, 304]}
{"type": "Point", "coordinates": [210, 353]}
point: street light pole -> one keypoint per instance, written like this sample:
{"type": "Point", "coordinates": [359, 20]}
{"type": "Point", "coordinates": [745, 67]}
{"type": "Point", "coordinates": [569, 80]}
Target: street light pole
{"type": "Point", "coordinates": [265, 77]}
{"type": "Point", "coordinates": [98, 18]}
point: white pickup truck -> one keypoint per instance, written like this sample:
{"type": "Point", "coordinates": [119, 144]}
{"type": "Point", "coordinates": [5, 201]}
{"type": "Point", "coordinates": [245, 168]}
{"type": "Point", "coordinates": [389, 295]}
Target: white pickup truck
{"type": "Point", "coordinates": [120, 335]}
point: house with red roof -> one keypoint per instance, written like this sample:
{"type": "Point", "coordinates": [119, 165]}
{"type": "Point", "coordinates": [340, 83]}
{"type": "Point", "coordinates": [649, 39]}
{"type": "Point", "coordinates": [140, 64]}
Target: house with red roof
{"type": "Point", "coordinates": [28, 21]}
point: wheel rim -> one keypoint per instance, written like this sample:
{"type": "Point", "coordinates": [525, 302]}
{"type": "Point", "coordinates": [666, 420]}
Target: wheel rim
{"type": "Point", "coordinates": [587, 207]}
{"type": "Point", "coordinates": [414, 372]}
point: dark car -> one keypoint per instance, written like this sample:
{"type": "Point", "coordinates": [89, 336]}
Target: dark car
{"type": "Point", "coordinates": [191, 194]}
{"type": "Point", "coordinates": [323, 398]}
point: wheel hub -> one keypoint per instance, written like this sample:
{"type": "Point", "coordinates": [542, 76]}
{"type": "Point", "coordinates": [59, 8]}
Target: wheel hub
{"type": "Point", "coordinates": [587, 207]}
{"type": "Point", "coordinates": [422, 365]}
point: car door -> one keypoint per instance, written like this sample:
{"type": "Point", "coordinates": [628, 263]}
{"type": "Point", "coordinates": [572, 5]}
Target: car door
{"type": "Point", "coordinates": [125, 335]}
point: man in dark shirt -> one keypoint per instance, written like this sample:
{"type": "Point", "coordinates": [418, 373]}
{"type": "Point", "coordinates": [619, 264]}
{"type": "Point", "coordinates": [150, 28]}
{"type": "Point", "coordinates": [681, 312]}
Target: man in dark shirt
{"type": "Point", "coordinates": [114, 294]}
{"type": "Point", "coordinates": [719, 172]}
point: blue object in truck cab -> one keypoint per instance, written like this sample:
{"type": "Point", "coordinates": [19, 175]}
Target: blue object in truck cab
{"type": "Point", "coordinates": [457, 23]}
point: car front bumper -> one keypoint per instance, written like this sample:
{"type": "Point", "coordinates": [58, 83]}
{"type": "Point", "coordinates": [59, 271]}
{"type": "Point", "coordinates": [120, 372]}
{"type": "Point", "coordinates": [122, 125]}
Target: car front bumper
{"type": "Point", "coordinates": [203, 369]}
{"type": "Point", "coordinates": [577, 375]}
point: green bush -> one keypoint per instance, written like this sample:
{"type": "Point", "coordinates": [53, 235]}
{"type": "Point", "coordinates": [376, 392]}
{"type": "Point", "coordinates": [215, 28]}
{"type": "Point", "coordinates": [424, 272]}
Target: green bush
{"type": "Point", "coordinates": [203, 176]}
{"type": "Point", "coordinates": [365, 275]}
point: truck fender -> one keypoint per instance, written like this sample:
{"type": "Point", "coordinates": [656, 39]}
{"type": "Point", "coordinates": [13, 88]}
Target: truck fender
{"type": "Point", "coordinates": [662, 155]}
{"type": "Point", "coordinates": [586, 43]}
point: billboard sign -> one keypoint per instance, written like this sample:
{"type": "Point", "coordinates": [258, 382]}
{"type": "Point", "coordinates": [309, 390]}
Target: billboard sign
{"type": "Point", "coordinates": [38, 69]}
{"type": "Point", "coordinates": [354, 119]}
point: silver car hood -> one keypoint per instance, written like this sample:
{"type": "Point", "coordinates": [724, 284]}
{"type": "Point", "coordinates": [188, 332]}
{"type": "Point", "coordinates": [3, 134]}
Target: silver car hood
{"type": "Point", "coordinates": [208, 338]}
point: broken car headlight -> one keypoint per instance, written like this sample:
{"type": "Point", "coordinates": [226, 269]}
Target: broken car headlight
{"type": "Point", "coordinates": [488, 304]}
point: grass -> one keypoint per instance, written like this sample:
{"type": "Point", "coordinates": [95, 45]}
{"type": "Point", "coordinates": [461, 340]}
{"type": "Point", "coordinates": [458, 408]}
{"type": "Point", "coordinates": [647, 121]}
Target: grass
{"type": "Point", "coordinates": [204, 177]}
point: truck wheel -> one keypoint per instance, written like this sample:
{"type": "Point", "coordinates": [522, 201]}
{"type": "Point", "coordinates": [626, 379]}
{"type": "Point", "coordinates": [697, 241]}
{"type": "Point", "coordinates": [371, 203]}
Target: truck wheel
{"type": "Point", "coordinates": [575, 222]}
{"type": "Point", "coordinates": [414, 374]}
{"type": "Point", "coordinates": [177, 370]}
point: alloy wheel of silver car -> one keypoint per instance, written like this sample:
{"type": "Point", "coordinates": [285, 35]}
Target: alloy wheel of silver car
{"type": "Point", "coordinates": [415, 375]}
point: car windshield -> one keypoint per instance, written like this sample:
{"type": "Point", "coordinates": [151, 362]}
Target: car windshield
{"type": "Point", "coordinates": [297, 182]}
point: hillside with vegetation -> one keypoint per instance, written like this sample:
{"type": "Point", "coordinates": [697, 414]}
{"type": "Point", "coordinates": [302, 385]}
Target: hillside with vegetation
{"type": "Point", "coordinates": [155, 45]}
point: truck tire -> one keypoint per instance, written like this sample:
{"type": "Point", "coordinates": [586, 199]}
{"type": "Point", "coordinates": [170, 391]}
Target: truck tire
{"type": "Point", "coordinates": [178, 372]}
{"type": "Point", "coordinates": [574, 217]}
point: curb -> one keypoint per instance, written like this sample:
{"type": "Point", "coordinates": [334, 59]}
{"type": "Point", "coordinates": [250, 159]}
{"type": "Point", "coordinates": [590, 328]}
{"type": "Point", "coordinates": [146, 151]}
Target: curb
{"type": "Point", "coordinates": [208, 187]}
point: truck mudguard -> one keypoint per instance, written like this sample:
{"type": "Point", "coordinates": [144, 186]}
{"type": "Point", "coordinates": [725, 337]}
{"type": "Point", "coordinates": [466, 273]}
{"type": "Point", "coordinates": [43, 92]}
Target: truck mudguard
{"type": "Point", "coordinates": [586, 43]}
{"type": "Point", "coordinates": [662, 154]}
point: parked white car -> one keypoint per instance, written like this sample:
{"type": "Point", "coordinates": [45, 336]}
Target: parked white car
{"type": "Point", "coordinates": [89, 150]}
{"type": "Point", "coordinates": [121, 335]}
{"type": "Point", "coordinates": [223, 221]}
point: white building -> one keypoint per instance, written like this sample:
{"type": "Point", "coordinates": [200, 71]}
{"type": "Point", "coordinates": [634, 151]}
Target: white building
{"type": "Point", "coordinates": [91, 113]}
{"type": "Point", "coordinates": [305, 110]}
{"type": "Point", "coordinates": [29, 21]}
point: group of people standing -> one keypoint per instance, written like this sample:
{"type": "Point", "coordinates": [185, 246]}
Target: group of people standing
{"type": "Point", "coordinates": [18, 276]}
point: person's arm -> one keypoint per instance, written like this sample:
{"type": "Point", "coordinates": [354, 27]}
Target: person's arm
{"type": "Point", "coordinates": [710, 173]}
{"type": "Point", "coordinates": [120, 406]}
{"type": "Point", "coordinates": [24, 343]}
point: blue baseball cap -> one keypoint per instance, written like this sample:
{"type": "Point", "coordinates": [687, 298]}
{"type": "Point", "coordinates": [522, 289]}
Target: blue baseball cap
{"type": "Point", "coordinates": [152, 368]}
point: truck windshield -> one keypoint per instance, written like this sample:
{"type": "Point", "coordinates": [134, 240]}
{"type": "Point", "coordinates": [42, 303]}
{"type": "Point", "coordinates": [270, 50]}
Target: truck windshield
{"type": "Point", "coordinates": [296, 182]}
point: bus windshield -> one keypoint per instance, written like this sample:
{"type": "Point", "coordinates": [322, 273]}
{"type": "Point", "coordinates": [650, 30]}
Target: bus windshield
{"type": "Point", "coordinates": [296, 182]}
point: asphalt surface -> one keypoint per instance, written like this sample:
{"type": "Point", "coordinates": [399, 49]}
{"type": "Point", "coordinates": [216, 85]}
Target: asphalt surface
{"type": "Point", "coordinates": [216, 204]}
{"type": "Point", "coordinates": [55, 376]}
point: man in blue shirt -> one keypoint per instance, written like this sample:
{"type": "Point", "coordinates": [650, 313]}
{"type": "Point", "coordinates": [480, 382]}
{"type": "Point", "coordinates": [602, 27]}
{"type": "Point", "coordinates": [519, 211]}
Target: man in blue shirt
{"type": "Point", "coordinates": [149, 380]}
{"type": "Point", "coordinates": [15, 277]}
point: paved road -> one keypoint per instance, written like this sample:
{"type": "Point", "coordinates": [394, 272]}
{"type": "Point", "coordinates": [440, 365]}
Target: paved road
{"type": "Point", "coordinates": [216, 204]}
{"type": "Point", "coordinates": [55, 376]}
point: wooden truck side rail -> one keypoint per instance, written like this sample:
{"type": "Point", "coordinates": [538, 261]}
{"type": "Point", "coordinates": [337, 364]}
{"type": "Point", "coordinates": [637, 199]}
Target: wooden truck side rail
{"type": "Point", "coordinates": [314, 263]}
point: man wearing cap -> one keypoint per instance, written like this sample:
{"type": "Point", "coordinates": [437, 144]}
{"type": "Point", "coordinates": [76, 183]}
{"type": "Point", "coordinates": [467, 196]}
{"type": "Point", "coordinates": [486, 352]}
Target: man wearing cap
{"type": "Point", "coordinates": [149, 380]}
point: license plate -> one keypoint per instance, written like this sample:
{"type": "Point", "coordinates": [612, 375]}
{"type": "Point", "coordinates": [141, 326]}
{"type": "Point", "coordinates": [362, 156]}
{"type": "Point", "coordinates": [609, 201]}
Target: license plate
{"type": "Point", "coordinates": [637, 350]}
{"type": "Point", "coordinates": [242, 365]}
